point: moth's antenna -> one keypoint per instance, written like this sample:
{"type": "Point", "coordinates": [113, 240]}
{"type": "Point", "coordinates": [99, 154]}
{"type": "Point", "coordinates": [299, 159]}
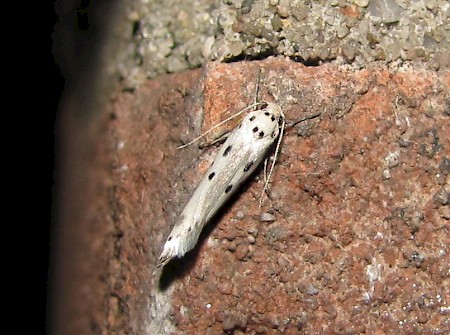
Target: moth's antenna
{"type": "Point", "coordinates": [258, 80]}
{"type": "Point", "coordinates": [219, 124]}
{"type": "Point", "coordinates": [254, 105]}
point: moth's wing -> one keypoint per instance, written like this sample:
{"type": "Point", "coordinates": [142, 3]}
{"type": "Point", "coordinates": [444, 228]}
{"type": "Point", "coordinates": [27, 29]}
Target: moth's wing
{"type": "Point", "coordinates": [241, 153]}
{"type": "Point", "coordinates": [257, 132]}
{"type": "Point", "coordinates": [208, 192]}
{"type": "Point", "coordinates": [251, 157]}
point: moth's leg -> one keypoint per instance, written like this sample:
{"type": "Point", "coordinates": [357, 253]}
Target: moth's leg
{"type": "Point", "coordinates": [277, 151]}
{"type": "Point", "coordinates": [266, 184]}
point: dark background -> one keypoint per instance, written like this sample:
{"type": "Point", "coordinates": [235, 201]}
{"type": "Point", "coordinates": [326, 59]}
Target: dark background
{"type": "Point", "coordinates": [73, 33]}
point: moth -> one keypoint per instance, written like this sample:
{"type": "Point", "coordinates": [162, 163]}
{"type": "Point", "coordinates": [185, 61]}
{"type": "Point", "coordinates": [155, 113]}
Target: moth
{"type": "Point", "coordinates": [239, 156]}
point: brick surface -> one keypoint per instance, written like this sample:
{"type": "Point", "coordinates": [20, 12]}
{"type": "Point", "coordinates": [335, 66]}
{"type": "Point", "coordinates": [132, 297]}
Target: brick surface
{"type": "Point", "coordinates": [361, 239]}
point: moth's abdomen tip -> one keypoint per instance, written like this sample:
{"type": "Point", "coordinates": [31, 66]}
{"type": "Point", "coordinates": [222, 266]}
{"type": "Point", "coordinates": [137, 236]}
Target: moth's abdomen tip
{"type": "Point", "coordinates": [165, 257]}
{"type": "Point", "coordinates": [163, 260]}
{"type": "Point", "coordinates": [172, 248]}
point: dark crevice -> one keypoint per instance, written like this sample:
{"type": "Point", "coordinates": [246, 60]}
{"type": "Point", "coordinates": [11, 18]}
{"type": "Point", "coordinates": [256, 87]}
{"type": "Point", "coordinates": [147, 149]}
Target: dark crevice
{"type": "Point", "coordinates": [243, 57]}
{"type": "Point", "coordinates": [310, 62]}
{"type": "Point", "coordinates": [273, 52]}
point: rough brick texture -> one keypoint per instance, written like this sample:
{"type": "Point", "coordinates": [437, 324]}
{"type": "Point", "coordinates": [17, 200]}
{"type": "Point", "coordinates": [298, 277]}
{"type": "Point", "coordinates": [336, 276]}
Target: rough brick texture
{"type": "Point", "coordinates": [357, 239]}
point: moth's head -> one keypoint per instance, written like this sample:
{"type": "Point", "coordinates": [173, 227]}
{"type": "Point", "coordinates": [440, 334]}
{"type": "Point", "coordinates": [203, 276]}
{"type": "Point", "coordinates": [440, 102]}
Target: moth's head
{"type": "Point", "coordinates": [274, 109]}
{"type": "Point", "coordinates": [265, 121]}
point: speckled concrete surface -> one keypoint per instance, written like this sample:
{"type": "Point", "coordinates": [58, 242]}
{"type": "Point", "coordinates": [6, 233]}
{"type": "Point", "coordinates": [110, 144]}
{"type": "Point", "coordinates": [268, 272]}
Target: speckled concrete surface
{"type": "Point", "coordinates": [172, 36]}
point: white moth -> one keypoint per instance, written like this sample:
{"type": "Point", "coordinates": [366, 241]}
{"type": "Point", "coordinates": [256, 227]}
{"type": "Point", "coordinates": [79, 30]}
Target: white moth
{"type": "Point", "coordinates": [238, 157]}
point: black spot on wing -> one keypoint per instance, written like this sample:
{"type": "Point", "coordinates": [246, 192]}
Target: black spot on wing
{"type": "Point", "coordinates": [227, 151]}
{"type": "Point", "coordinates": [170, 238]}
{"type": "Point", "coordinates": [228, 189]}
{"type": "Point", "coordinates": [267, 113]}
{"type": "Point", "coordinates": [252, 118]}
{"type": "Point", "coordinates": [272, 118]}
{"type": "Point", "coordinates": [261, 134]}
{"type": "Point", "coordinates": [255, 129]}
{"type": "Point", "coordinates": [248, 166]}
{"type": "Point", "coordinates": [211, 175]}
